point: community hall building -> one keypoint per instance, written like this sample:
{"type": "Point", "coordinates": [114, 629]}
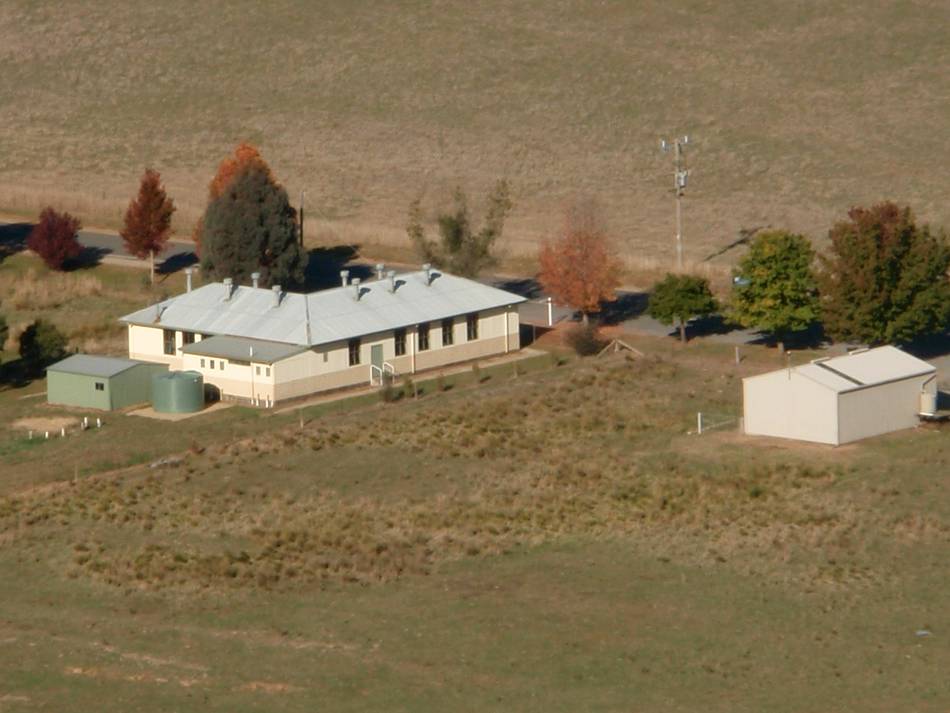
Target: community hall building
{"type": "Point", "coordinates": [841, 399]}
{"type": "Point", "coordinates": [265, 346]}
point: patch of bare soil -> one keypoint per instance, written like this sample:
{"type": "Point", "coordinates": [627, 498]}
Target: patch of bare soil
{"type": "Point", "coordinates": [269, 687]}
{"type": "Point", "coordinates": [44, 423]}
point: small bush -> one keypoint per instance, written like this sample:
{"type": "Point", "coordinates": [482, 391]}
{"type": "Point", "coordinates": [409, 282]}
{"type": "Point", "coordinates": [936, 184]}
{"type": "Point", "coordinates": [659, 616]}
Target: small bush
{"type": "Point", "coordinates": [585, 340]}
{"type": "Point", "coordinates": [387, 394]}
{"type": "Point", "coordinates": [41, 344]}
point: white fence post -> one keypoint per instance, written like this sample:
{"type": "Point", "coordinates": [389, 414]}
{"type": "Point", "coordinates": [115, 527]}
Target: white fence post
{"type": "Point", "coordinates": [699, 422]}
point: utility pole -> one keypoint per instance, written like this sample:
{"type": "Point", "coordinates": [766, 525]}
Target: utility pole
{"type": "Point", "coordinates": [680, 173]}
{"type": "Point", "coordinates": [301, 217]}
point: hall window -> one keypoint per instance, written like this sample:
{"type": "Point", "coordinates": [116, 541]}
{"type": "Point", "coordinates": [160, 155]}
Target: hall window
{"type": "Point", "coordinates": [447, 337]}
{"type": "Point", "coordinates": [354, 348]}
{"type": "Point", "coordinates": [423, 336]}
{"type": "Point", "coordinates": [399, 337]}
{"type": "Point", "coordinates": [471, 323]}
{"type": "Point", "coordinates": [168, 337]}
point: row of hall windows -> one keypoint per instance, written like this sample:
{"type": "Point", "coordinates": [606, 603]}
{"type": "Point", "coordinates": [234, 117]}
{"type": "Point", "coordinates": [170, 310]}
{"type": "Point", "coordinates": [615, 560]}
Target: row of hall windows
{"type": "Point", "coordinates": [448, 337]}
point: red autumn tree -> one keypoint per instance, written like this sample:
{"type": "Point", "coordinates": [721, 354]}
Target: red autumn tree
{"type": "Point", "coordinates": [55, 238]}
{"type": "Point", "coordinates": [245, 155]}
{"type": "Point", "coordinates": [578, 268]}
{"type": "Point", "coordinates": [148, 220]}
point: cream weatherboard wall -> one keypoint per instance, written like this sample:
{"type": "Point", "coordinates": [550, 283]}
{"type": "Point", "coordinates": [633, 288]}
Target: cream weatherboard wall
{"type": "Point", "coordinates": [148, 344]}
{"type": "Point", "coordinates": [326, 367]}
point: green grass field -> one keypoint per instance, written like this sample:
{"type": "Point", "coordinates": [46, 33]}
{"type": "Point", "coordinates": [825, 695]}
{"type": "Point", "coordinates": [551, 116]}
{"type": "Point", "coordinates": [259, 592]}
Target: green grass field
{"type": "Point", "coordinates": [798, 110]}
{"type": "Point", "coordinates": [551, 541]}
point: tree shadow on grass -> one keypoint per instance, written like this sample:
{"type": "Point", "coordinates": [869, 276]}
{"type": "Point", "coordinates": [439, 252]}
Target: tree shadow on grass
{"type": "Point", "coordinates": [526, 287]}
{"type": "Point", "coordinates": [178, 261]}
{"type": "Point", "coordinates": [15, 375]}
{"type": "Point", "coordinates": [13, 238]}
{"type": "Point", "coordinates": [628, 305]}
{"type": "Point", "coordinates": [930, 347]}
{"type": "Point", "coordinates": [324, 265]}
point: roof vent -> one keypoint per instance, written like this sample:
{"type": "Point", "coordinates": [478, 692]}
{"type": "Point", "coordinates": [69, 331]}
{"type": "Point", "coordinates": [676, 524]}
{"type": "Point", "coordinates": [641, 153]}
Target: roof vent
{"type": "Point", "coordinates": [428, 270]}
{"type": "Point", "coordinates": [356, 287]}
{"type": "Point", "coordinates": [228, 288]}
{"type": "Point", "coordinates": [278, 294]}
{"type": "Point", "coordinates": [392, 281]}
{"type": "Point", "coordinates": [255, 279]}
{"type": "Point", "coordinates": [344, 277]}
{"type": "Point", "coordinates": [380, 270]}
{"type": "Point", "coordinates": [188, 272]}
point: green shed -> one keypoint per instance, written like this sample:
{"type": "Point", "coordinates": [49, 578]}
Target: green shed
{"type": "Point", "coordinates": [99, 382]}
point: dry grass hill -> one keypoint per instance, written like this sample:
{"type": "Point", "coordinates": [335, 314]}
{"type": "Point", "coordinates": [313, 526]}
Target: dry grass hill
{"type": "Point", "coordinates": [797, 109]}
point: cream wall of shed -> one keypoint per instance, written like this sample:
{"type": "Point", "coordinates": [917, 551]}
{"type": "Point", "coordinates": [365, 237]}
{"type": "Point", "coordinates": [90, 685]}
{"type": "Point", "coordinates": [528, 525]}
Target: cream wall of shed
{"type": "Point", "coordinates": [775, 405]}
{"type": "Point", "coordinates": [881, 409]}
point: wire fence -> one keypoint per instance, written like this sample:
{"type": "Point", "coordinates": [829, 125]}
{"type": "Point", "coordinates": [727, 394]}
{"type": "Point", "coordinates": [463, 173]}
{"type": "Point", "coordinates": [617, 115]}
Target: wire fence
{"type": "Point", "coordinates": [711, 421]}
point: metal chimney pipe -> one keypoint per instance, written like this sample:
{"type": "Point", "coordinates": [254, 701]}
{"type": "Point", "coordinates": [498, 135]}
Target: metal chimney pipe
{"type": "Point", "coordinates": [380, 269]}
{"type": "Point", "coordinates": [356, 287]}
{"type": "Point", "coordinates": [392, 280]}
{"type": "Point", "coordinates": [428, 270]}
{"type": "Point", "coordinates": [228, 283]}
{"type": "Point", "coordinates": [344, 277]}
{"type": "Point", "coordinates": [255, 279]}
{"type": "Point", "coordinates": [188, 272]}
{"type": "Point", "coordinates": [277, 295]}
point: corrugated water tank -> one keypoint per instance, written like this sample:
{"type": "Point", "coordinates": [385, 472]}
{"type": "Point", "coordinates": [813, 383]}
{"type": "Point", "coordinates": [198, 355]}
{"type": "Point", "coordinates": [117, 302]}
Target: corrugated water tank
{"type": "Point", "coordinates": [178, 392]}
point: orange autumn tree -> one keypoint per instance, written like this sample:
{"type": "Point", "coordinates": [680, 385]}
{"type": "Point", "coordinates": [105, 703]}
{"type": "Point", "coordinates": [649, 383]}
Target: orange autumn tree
{"type": "Point", "coordinates": [579, 268]}
{"type": "Point", "coordinates": [148, 220]}
{"type": "Point", "coordinates": [245, 156]}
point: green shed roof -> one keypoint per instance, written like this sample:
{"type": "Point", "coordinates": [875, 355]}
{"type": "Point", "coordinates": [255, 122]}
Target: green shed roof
{"type": "Point", "coordinates": [89, 365]}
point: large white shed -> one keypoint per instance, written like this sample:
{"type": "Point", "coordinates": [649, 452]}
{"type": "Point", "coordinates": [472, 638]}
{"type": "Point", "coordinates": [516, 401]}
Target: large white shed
{"type": "Point", "coordinates": [840, 399]}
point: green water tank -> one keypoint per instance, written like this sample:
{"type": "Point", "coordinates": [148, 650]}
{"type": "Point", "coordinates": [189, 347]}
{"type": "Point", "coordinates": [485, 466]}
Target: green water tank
{"type": "Point", "coordinates": [178, 392]}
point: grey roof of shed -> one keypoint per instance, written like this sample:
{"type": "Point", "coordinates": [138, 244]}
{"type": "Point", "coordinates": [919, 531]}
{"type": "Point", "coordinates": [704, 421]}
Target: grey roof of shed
{"type": "Point", "coordinates": [244, 349]}
{"type": "Point", "coordinates": [326, 316]}
{"type": "Point", "coordinates": [90, 365]}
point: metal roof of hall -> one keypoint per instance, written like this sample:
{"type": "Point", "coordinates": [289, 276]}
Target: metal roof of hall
{"type": "Point", "coordinates": [92, 365]}
{"type": "Point", "coordinates": [325, 316]}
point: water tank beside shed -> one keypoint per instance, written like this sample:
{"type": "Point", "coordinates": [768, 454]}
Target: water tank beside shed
{"type": "Point", "coordinates": [178, 392]}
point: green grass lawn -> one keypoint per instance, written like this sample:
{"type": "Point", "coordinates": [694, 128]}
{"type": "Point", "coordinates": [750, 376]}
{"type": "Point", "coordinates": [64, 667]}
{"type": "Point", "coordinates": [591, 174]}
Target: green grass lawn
{"type": "Point", "coordinates": [551, 541]}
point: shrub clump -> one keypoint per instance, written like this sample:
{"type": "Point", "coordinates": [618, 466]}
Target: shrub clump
{"type": "Point", "coordinates": [585, 339]}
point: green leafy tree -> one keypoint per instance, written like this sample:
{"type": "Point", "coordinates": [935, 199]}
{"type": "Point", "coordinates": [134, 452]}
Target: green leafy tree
{"type": "Point", "coordinates": [679, 298]}
{"type": "Point", "coordinates": [460, 249]}
{"type": "Point", "coordinates": [775, 288]}
{"type": "Point", "coordinates": [40, 345]}
{"type": "Point", "coordinates": [885, 278]}
{"type": "Point", "coordinates": [251, 227]}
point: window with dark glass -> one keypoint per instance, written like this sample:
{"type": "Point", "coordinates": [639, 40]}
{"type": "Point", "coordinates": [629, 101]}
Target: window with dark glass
{"type": "Point", "coordinates": [399, 337]}
{"type": "Point", "coordinates": [447, 337]}
{"type": "Point", "coordinates": [471, 323]}
{"type": "Point", "coordinates": [423, 336]}
{"type": "Point", "coordinates": [354, 352]}
{"type": "Point", "coordinates": [100, 386]}
{"type": "Point", "coordinates": [187, 338]}
{"type": "Point", "coordinates": [168, 337]}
